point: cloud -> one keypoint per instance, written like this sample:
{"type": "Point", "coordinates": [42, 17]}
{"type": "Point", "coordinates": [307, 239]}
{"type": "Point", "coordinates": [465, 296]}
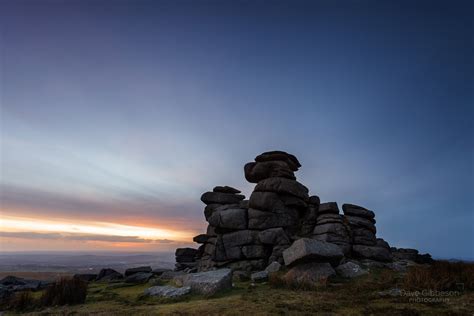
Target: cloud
{"type": "Point", "coordinates": [124, 209]}
{"type": "Point", "coordinates": [82, 237]}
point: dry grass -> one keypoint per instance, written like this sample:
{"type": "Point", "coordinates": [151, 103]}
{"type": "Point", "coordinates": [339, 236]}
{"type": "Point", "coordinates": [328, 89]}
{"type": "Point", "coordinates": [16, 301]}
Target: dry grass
{"type": "Point", "coordinates": [65, 292]}
{"type": "Point", "coordinates": [441, 276]}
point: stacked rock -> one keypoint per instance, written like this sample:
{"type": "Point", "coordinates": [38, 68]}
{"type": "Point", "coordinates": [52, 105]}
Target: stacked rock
{"type": "Point", "coordinates": [185, 259]}
{"type": "Point", "coordinates": [364, 241]}
{"type": "Point", "coordinates": [225, 211]}
{"type": "Point", "coordinates": [331, 227]}
{"type": "Point", "coordinates": [410, 255]}
{"type": "Point", "coordinates": [278, 200]}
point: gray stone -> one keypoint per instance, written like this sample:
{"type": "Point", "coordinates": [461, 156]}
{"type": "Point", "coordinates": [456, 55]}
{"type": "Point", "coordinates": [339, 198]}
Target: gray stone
{"type": "Point", "coordinates": [306, 249]}
{"type": "Point", "coordinates": [221, 198]}
{"type": "Point", "coordinates": [328, 208]}
{"type": "Point", "coordinates": [372, 252]}
{"type": "Point", "coordinates": [257, 171]}
{"type": "Point", "coordinates": [264, 220]}
{"type": "Point", "coordinates": [260, 276]}
{"type": "Point", "coordinates": [145, 269]}
{"type": "Point", "coordinates": [240, 238]}
{"type": "Point", "coordinates": [355, 221]}
{"type": "Point", "coordinates": [201, 239]}
{"type": "Point", "coordinates": [226, 189]}
{"type": "Point", "coordinates": [208, 283]}
{"type": "Point", "coordinates": [274, 236]}
{"type": "Point", "coordinates": [140, 277]}
{"type": "Point", "coordinates": [167, 291]}
{"type": "Point", "coordinates": [247, 265]}
{"type": "Point", "coordinates": [106, 275]}
{"type": "Point", "coordinates": [331, 228]}
{"type": "Point", "coordinates": [355, 210]}
{"type": "Point", "coordinates": [278, 155]}
{"type": "Point", "coordinates": [309, 274]}
{"type": "Point", "coordinates": [273, 267]}
{"type": "Point", "coordinates": [350, 270]}
{"type": "Point", "coordinates": [283, 186]}
{"type": "Point", "coordinates": [235, 218]}
{"type": "Point", "coordinates": [255, 251]}
{"type": "Point", "coordinates": [314, 200]}
{"type": "Point", "coordinates": [159, 271]}
{"type": "Point", "coordinates": [169, 275]}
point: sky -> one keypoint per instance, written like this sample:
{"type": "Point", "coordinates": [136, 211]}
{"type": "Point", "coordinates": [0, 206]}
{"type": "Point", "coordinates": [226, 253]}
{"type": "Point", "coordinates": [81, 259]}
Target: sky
{"type": "Point", "coordinates": [117, 115]}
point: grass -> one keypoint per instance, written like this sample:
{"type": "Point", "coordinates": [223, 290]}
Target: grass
{"type": "Point", "coordinates": [359, 296]}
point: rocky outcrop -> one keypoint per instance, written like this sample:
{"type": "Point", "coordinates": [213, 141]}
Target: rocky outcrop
{"type": "Point", "coordinates": [281, 223]}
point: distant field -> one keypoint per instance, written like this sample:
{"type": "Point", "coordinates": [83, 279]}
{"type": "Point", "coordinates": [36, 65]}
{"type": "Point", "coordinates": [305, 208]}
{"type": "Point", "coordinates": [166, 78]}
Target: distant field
{"type": "Point", "coordinates": [43, 276]}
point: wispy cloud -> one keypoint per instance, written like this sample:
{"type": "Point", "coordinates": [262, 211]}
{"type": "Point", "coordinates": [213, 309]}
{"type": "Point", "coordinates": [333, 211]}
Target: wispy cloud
{"type": "Point", "coordinates": [82, 237]}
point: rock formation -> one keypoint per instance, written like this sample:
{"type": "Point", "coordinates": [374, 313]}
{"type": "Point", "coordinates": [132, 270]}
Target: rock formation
{"type": "Point", "coordinates": [281, 223]}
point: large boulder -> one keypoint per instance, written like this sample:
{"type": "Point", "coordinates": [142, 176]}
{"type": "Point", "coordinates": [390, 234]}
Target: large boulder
{"type": "Point", "coordinates": [108, 274]}
{"type": "Point", "coordinates": [140, 277]}
{"type": "Point", "coordinates": [185, 254]}
{"type": "Point", "coordinates": [274, 236]}
{"type": "Point", "coordinates": [372, 252]}
{"type": "Point", "coordinates": [350, 270]}
{"type": "Point", "coordinates": [221, 198]}
{"type": "Point", "coordinates": [257, 171]}
{"type": "Point", "coordinates": [356, 210]}
{"type": "Point", "coordinates": [309, 274]}
{"type": "Point", "coordinates": [328, 208]}
{"type": "Point", "coordinates": [277, 155]}
{"type": "Point", "coordinates": [283, 186]}
{"type": "Point", "coordinates": [167, 291]}
{"type": "Point", "coordinates": [144, 269]}
{"type": "Point", "coordinates": [207, 283]}
{"type": "Point", "coordinates": [233, 218]}
{"type": "Point", "coordinates": [262, 220]}
{"type": "Point", "coordinates": [306, 249]}
{"type": "Point", "coordinates": [226, 189]}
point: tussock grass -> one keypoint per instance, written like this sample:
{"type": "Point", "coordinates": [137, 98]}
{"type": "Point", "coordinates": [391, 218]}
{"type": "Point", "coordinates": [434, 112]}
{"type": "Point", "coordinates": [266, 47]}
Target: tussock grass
{"type": "Point", "coordinates": [440, 276]}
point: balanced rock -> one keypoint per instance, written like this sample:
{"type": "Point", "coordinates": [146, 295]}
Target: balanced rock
{"type": "Point", "coordinates": [226, 189]}
{"type": "Point", "coordinates": [278, 155]}
{"type": "Point", "coordinates": [221, 198]}
{"type": "Point", "coordinates": [356, 210]}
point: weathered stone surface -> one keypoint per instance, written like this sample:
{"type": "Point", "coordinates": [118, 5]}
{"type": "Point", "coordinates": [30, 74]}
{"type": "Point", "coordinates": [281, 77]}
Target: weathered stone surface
{"type": "Point", "coordinates": [234, 218]}
{"type": "Point", "coordinates": [356, 210]}
{"type": "Point", "coordinates": [328, 218]}
{"type": "Point", "coordinates": [240, 238]}
{"type": "Point", "coordinates": [274, 202]}
{"type": "Point", "coordinates": [257, 171]}
{"type": "Point", "coordinates": [350, 270]}
{"type": "Point", "coordinates": [169, 275]}
{"type": "Point", "coordinates": [140, 277]}
{"type": "Point", "coordinates": [264, 220]}
{"type": "Point", "coordinates": [167, 291]}
{"type": "Point", "coordinates": [247, 265]}
{"type": "Point", "coordinates": [210, 209]}
{"type": "Point", "coordinates": [221, 198]}
{"type": "Point", "coordinates": [106, 275]}
{"type": "Point", "coordinates": [361, 222]}
{"type": "Point", "coordinates": [328, 208]}
{"type": "Point", "coordinates": [331, 228]}
{"type": "Point", "coordinates": [207, 283]}
{"type": "Point", "coordinates": [201, 239]}
{"type": "Point", "coordinates": [185, 254]}
{"type": "Point", "coordinates": [314, 199]}
{"type": "Point", "coordinates": [362, 236]}
{"type": "Point", "coordinates": [283, 186]}
{"type": "Point", "coordinates": [278, 155]}
{"type": "Point", "coordinates": [255, 251]}
{"type": "Point", "coordinates": [260, 276]}
{"type": "Point", "coordinates": [145, 269]}
{"type": "Point", "coordinates": [306, 249]}
{"type": "Point", "coordinates": [226, 189]}
{"type": "Point", "coordinates": [273, 267]}
{"type": "Point", "coordinates": [274, 236]}
{"type": "Point", "coordinates": [309, 274]}
{"type": "Point", "coordinates": [372, 252]}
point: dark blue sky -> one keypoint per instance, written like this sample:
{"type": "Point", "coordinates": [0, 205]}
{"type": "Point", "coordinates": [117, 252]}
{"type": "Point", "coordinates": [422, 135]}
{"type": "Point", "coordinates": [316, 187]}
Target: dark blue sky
{"type": "Point", "coordinates": [126, 111]}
